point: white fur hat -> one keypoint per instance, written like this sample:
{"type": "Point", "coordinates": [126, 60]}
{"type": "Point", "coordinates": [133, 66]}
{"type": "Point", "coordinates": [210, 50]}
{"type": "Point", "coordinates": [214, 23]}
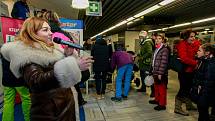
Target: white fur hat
{"type": "Point", "coordinates": [143, 33]}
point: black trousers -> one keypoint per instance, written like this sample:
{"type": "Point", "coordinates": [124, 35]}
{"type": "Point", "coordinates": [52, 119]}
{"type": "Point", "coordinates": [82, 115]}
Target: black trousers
{"type": "Point", "coordinates": [100, 78]}
{"type": "Point", "coordinates": [185, 82]}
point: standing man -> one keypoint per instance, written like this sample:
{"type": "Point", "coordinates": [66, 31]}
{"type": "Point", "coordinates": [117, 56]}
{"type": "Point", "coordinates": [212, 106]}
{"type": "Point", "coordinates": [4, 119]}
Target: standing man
{"type": "Point", "coordinates": [145, 55]}
{"type": "Point", "coordinates": [20, 10]}
{"type": "Point", "coordinates": [100, 53]}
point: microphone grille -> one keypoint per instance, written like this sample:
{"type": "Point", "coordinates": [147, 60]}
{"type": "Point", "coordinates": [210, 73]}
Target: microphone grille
{"type": "Point", "coordinates": [57, 40]}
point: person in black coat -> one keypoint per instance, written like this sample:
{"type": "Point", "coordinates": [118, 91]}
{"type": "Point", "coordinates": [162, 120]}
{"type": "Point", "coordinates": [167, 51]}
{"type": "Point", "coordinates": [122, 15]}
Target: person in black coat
{"type": "Point", "coordinates": [100, 53]}
{"type": "Point", "coordinates": [204, 79]}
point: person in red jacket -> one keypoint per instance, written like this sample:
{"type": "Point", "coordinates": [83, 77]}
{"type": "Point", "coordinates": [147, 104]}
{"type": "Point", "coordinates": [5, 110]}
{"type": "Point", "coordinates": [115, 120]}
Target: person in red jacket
{"type": "Point", "coordinates": [186, 49]}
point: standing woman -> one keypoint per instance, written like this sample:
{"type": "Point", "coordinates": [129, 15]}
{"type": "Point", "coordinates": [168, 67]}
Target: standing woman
{"type": "Point", "coordinates": [160, 73]}
{"type": "Point", "coordinates": [48, 73]}
{"type": "Point", "coordinates": [205, 80]}
{"type": "Point", "coordinates": [100, 53]}
{"type": "Point", "coordinates": [186, 49]}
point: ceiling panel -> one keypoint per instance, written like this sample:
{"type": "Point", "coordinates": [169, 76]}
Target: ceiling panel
{"type": "Point", "coordinates": [62, 7]}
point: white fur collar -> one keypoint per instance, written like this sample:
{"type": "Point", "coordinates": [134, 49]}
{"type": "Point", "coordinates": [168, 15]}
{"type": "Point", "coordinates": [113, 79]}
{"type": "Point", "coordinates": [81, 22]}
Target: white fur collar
{"type": "Point", "coordinates": [20, 54]}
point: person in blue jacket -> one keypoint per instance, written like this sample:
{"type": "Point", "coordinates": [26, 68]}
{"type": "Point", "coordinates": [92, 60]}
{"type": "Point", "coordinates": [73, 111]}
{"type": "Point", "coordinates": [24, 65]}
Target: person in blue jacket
{"type": "Point", "coordinates": [20, 10]}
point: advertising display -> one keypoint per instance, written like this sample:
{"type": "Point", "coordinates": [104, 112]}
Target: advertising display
{"type": "Point", "coordinates": [10, 27]}
{"type": "Point", "coordinates": [74, 27]}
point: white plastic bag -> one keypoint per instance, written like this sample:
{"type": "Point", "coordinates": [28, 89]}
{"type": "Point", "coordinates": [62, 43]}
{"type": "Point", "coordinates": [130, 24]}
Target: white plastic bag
{"type": "Point", "coordinates": [149, 80]}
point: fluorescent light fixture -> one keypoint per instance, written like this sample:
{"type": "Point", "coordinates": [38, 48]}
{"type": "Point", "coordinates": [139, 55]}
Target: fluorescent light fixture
{"type": "Point", "coordinates": [155, 30]}
{"type": "Point", "coordinates": [80, 4]}
{"type": "Point", "coordinates": [210, 31]}
{"type": "Point", "coordinates": [207, 29]}
{"type": "Point", "coordinates": [165, 2]}
{"type": "Point", "coordinates": [203, 20]}
{"type": "Point", "coordinates": [147, 11]}
{"type": "Point", "coordinates": [130, 19]}
{"type": "Point", "coordinates": [137, 19]}
{"type": "Point", "coordinates": [163, 29]}
{"type": "Point", "coordinates": [131, 22]}
{"type": "Point", "coordinates": [180, 25]}
{"type": "Point", "coordinates": [121, 23]}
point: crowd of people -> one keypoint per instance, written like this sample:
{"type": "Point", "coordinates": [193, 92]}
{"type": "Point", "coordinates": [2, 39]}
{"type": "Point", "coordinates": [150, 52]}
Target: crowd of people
{"type": "Point", "coordinates": [47, 75]}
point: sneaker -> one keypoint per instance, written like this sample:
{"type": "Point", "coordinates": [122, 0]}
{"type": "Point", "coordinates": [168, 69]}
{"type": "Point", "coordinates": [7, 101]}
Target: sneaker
{"type": "Point", "coordinates": [116, 99]}
{"type": "Point", "coordinates": [159, 108]}
{"type": "Point", "coordinates": [153, 102]}
{"type": "Point", "coordinates": [124, 97]}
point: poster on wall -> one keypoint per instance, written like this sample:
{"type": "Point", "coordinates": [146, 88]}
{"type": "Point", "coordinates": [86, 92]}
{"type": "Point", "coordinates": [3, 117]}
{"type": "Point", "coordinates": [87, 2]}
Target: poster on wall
{"type": "Point", "coordinates": [74, 27]}
{"type": "Point", "coordinates": [10, 27]}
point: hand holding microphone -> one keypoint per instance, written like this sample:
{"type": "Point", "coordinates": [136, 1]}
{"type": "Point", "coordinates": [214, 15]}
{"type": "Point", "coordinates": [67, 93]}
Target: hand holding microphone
{"type": "Point", "coordinates": [85, 62]}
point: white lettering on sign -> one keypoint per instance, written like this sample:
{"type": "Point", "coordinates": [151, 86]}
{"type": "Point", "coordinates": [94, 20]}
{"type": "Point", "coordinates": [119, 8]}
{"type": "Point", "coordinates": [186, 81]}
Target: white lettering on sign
{"type": "Point", "coordinates": [68, 24]}
{"type": "Point", "coordinates": [13, 29]}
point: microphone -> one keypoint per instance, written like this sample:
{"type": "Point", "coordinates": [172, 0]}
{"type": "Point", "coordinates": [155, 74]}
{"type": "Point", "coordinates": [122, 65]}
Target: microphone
{"type": "Point", "coordinates": [64, 42]}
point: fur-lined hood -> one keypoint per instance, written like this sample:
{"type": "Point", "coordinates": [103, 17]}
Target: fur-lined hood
{"type": "Point", "coordinates": [20, 54]}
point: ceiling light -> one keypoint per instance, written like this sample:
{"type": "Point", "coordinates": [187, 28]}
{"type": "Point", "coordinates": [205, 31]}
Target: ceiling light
{"type": "Point", "coordinates": [147, 11]}
{"type": "Point", "coordinates": [203, 20]}
{"type": "Point", "coordinates": [165, 2]}
{"type": "Point", "coordinates": [80, 4]}
{"type": "Point", "coordinates": [131, 22]}
{"type": "Point", "coordinates": [207, 29]}
{"type": "Point", "coordinates": [137, 19]}
{"type": "Point", "coordinates": [179, 25]}
{"type": "Point", "coordinates": [155, 30]}
{"type": "Point", "coordinates": [163, 29]}
{"type": "Point", "coordinates": [130, 19]}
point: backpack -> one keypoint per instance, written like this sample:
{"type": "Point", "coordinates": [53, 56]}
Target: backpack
{"type": "Point", "coordinates": [8, 78]}
{"type": "Point", "coordinates": [175, 64]}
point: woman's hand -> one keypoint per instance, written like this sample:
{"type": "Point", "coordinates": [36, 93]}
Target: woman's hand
{"type": "Point", "coordinates": [68, 51]}
{"type": "Point", "coordinates": [85, 62]}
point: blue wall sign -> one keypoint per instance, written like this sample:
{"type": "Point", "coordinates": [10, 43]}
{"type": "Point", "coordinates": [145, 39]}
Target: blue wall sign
{"type": "Point", "coordinates": [71, 24]}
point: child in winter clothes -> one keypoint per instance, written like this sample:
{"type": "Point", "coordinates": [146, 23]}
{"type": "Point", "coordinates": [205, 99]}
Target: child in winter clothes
{"type": "Point", "coordinates": [160, 73]}
{"type": "Point", "coordinates": [204, 79]}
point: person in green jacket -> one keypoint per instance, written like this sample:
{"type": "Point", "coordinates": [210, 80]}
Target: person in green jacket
{"type": "Point", "coordinates": [145, 55]}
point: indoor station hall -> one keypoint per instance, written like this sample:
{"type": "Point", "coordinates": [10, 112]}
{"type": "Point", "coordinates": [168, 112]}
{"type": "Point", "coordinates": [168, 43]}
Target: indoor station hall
{"type": "Point", "coordinates": [136, 108]}
{"type": "Point", "coordinates": [107, 60]}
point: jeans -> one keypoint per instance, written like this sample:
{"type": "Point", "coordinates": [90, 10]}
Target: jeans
{"type": "Point", "coordinates": [124, 71]}
{"type": "Point", "coordinates": [81, 113]}
{"type": "Point", "coordinates": [9, 97]}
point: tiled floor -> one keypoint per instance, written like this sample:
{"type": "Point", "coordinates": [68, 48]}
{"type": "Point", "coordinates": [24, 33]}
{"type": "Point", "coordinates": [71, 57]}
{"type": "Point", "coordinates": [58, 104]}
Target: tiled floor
{"type": "Point", "coordinates": [136, 108]}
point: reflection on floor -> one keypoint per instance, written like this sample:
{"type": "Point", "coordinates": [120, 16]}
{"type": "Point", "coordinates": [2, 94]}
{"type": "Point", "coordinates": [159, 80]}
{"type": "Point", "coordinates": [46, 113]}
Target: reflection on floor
{"type": "Point", "coordinates": [136, 108]}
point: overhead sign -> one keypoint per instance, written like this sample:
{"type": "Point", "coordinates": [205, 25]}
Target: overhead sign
{"type": "Point", "coordinates": [94, 9]}
{"type": "Point", "coordinates": [71, 24]}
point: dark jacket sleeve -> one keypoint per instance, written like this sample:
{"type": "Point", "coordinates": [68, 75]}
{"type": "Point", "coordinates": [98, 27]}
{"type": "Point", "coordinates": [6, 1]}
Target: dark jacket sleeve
{"type": "Point", "coordinates": [36, 76]}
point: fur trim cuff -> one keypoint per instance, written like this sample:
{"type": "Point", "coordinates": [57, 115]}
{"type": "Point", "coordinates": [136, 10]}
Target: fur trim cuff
{"type": "Point", "coordinates": [67, 72]}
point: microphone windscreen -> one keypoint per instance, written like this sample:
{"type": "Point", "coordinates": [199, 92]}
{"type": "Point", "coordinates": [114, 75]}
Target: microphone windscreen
{"type": "Point", "coordinates": [57, 40]}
